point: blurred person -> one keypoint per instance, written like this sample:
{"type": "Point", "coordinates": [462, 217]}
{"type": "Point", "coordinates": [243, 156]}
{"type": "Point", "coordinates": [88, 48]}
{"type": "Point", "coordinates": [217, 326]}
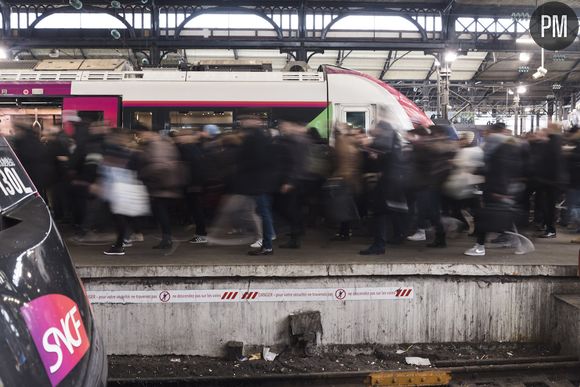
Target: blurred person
{"type": "Point", "coordinates": [432, 155]}
{"type": "Point", "coordinates": [573, 195]}
{"type": "Point", "coordinates": [502, 163]}
{"type": "Point", "coordinates": [349, 171]}
{"type": "Point", "coordinates": [551, 176]}
{"type": "Point", "coordinates": [255, 175]}
{"type": "Point", "coordinates": [163, 173]}
{"type": "Point", "coordinates": [33, 155]}
{"type": "Point", "coordinates": [189, 144]}
{"type": "Point", "coordinates": [126, 195]}
{"type": "Point", "coordinates": [389, 201]}
{"type": "Point", "coordinates": [58, 145]}
{"type": "Point", "coordinates": [294, 145]}
{"type": "Point", "coordinates": [85, 161]}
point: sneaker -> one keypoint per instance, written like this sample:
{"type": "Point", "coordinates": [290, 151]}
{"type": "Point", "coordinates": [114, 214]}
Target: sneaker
{"type": "Point", "coordinates": [115, 250]}
{"type": "Point", "coordinates": [198, 239]}
{"type": "Point", "coordinates": [418, 236]}
{"type": "Point", "coordinates": [261, 252]}
{"type": "Point", "coordinates": [136, 237]}
{"type": "Point", "coordinates": [476, 251]}
{"type": "Point", "coordinates": [257, 244]}
{"type": "Point", "coordinates": [547, 235]}
{"type": "Point", "coordinates": [127, 243]}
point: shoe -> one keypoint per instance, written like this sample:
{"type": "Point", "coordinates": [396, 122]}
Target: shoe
{"type": "Point", "coordinates": [136, 237]}
{"type": "Point", "coordinates": [476, 251]}
{"type": "Point", "coordinates": [439, 241]}
{"type": "Point", "coordinates": [163, 245]}
{"type": "Point", "coordinates": [372, 251]}
{"type": "Point", "coordinates": [340, 238]}
{"type": "Point", "coordinates": [115, 250]}
{"type": "Point", "coordinates": [198, 239]}
{"type": "Point", "coordinates": [418, 236]}
{"type": "Point", "coordinates": [261, 252]}
{"type": "Point", "coordinates": [257, 244]}
{"type": "Point", "coordinates": [127, 243]}
{"type": "Point", "coordinates": [291, 244]}
{"type": "Point", "coordinates": [547, 235]}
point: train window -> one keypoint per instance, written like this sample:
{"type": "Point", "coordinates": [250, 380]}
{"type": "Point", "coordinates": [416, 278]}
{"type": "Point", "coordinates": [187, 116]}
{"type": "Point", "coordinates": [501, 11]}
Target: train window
{"type": "Point", "coordinates": [356, 119]}
{"type": "Point", "coordinates": [142, 119]}
{"type": "Point", "coordinates": [195, 119]}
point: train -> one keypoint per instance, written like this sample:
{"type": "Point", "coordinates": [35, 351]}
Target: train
{"type": "Point", "coordinates": [177, 99]}
{"type": "Point", "coordinates": [48, 335]}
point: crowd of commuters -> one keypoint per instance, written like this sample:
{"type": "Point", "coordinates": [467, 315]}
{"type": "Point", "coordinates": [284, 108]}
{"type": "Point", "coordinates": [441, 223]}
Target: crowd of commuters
{"type": "Point", "coordinates": [401, 184]}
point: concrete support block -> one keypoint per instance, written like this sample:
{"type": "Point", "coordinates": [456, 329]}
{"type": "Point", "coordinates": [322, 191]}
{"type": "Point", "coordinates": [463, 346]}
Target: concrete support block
{"type": "Point", "coordinates": [566, 332]}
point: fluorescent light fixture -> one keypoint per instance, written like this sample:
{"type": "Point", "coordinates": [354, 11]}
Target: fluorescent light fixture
{"type": "Point", "coordinates": [525, 40]}
{"type": "Point", "coordinates": [3, 53]}
{"type": "Point", "coordinates": [450, 56]}
{"type": "Point", "coordinates": [522, 89]}
{"type": "Point", "coordinates": [510, 92]}
{"type": "Point", "coordinates": [528, 109]}
{"type": "Point", "coordinates": [524, 57]}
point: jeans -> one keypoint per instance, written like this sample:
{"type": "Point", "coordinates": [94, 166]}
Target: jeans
{"type": "Point", "coordinates": [264, 209]}
{"type": "Point", "coordinates": [429, 208]}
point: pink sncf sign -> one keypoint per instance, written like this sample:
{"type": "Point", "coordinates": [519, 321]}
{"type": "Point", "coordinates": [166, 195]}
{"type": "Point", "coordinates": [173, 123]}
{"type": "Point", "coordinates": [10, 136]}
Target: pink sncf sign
{"type": "Point", "coordinates": [58, 332]}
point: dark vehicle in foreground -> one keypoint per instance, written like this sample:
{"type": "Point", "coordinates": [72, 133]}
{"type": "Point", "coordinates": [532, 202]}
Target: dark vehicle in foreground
{"type": "Point", "coordinates": [47, 332]}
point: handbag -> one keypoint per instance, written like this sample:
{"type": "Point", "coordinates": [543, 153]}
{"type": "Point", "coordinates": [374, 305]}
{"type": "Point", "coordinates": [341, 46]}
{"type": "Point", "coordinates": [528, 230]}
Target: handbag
{"type": "Point", "coordinates": [126, 194]}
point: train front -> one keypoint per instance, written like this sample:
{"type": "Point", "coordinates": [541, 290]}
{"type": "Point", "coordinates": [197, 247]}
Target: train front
{"type": "Point", "coordinates": [47, 333]}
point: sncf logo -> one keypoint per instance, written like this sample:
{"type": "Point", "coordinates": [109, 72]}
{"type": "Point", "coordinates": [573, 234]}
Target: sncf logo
{"type": "Point", "coordinates": [58, 332]}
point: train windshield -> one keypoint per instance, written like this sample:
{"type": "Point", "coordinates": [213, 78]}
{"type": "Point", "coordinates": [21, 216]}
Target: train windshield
{"type": "Point", "coordinates": [15, 185]}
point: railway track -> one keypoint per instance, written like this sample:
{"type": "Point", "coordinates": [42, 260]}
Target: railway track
{"type": "Point", "coordinates": [555, 371]}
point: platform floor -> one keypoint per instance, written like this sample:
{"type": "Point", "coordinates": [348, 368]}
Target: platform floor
{"type": "Point", "coordinates": [319, 256]}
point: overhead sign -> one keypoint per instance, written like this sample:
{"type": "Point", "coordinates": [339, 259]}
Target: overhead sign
{"type": "Point", "coordinates": [165, 296]}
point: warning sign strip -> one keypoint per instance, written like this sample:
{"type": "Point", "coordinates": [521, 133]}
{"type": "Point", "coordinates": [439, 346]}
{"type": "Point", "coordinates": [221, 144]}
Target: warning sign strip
{"type": "Point", "coordinates": [165, 296]}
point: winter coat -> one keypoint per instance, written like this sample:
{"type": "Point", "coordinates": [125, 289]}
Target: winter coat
{"type": "Point", "coordinates": [433, 162]}
{"type": "Point", "coordinates": [574, 163]}
{"type": "Point", "coordinates": [552, 169]}
{"type": "Point", "coordinates": [34, 158]}
{"type": "Point", "coordinates": [161, 169]}
{"type": "Point", "coordinates": [389, 193]}
{"type": "Point", "coordinates": [255, 165]}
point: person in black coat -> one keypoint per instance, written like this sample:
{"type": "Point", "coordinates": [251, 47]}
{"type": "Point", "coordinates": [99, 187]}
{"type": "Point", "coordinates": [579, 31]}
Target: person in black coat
{"type": "Point", "coordinates": [389, 200]}
{"type": "Point", "coordinates": [503, 168]}
{"type": "Point", "coordinates": [34, 157]}
{"type": "Point", "coordinates": [255, 176]}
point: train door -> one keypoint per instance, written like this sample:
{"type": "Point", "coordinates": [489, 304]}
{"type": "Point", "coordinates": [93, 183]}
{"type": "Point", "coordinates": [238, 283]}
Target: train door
{"type": "Point", "coordinates": [94, 108]}
{"type": "Point", "coordinates": [358, 116]}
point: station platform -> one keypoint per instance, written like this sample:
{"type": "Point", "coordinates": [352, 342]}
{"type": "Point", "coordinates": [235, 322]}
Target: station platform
{"type": "Point", "coordinates": [321, 257]}
{"type": "Point", "coordinates": [195, 300]}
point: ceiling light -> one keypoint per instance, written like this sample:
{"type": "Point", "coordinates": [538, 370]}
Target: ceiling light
{"type": "Point", "coordinates": [54, 53]}
{"type": "Point", "coordinates": [524, 57]}
{"type": "Point", "coordinates": [510, 92]}
{"type": "Point", "coordinates": [450, 56]}
{"type": "Point", "coordinates": [522, 89]}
